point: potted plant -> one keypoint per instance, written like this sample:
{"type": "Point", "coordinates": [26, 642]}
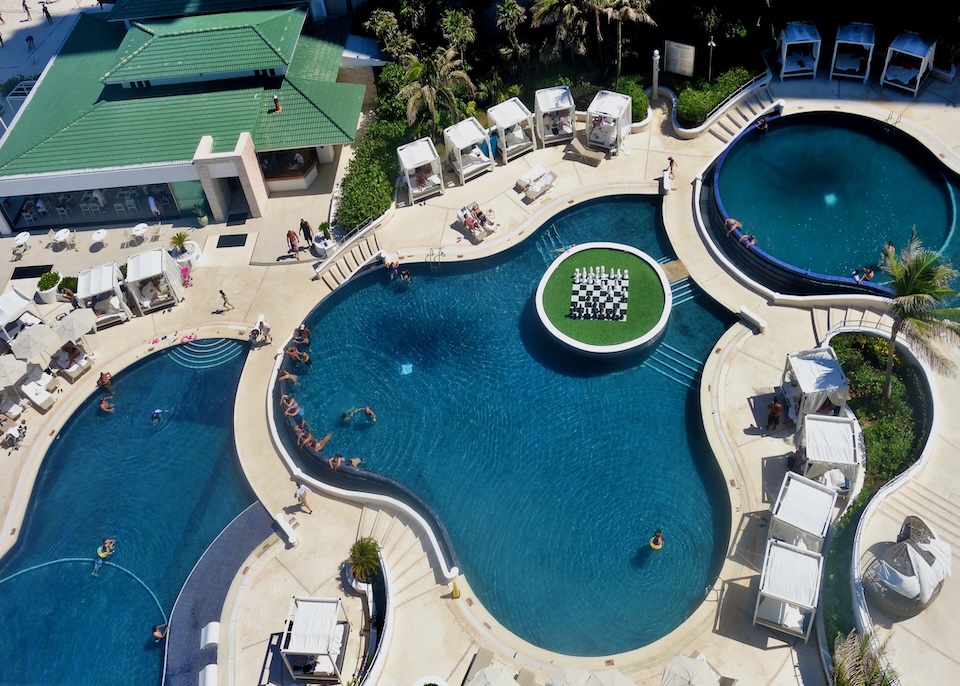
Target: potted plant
{"type": "Point", "coordinates": [200, 210]}
{"type": "Point", "coordinates": [47, 287]}
{"type": "Point", "coordinates": [178, 242]}
{"type": "Point", "coordinates": [325, 230]}
{"type": "Point", "coordinates": [364, 559]}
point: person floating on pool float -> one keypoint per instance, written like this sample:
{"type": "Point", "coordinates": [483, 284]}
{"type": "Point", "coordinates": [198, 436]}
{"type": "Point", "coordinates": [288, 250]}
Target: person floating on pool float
{"type": "Point", "coordinates": [106, 549]}
{"type": "Point", "coordinates": [160, 632]}
{"type": "Point", "coordinates": [732, 225]}
{"type": "Point", "coordinates": [864, 275]}
{"type": "Point", "coordinates": [157, 416]}
{"type": "Point", "coordinates": [657, 541]}
{"type": "Point", "coordinates": [748, 239]}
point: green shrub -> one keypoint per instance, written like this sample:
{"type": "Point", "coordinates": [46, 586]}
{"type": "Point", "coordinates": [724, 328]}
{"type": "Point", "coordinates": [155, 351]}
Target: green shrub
{"type": "Point", "coordinates": [632, 86]}
{"type": "Point", "coordinates": [837, 597]}
{"type": "Point", "coordinates": [48, 281]}
{"type": "Point", "coordinates": [69, 282]}
{"type": "Point", "coordinates": [389, 82]}
{"type": "Point", "coordinates": [366, 190]}
{"type": "Point", "coordinates": [583, 94]}
{"type": "Point", "coordinates": [697, 100]}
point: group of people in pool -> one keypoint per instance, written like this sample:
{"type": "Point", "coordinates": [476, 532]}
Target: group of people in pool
{"type": "Point", "coordinates": [867, 273]}
{"type": "Point", "coordinates": [747, 239]}
{"type": "Point", "coordinates": [105, 383]}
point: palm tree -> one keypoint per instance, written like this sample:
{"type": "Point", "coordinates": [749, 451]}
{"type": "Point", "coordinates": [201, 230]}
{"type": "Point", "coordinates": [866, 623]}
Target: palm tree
{"type": "Point", "coordinates": [620, 11]}
{"type": "Point", "coordinates": [510, 16]}
{"type": "Point", "coordinates": [921, 283]}
{"type": "Point", "coordinates": [856, 662]}
{"type": "Point", "coordinates": [458, 30]}
{"type": "Point", "coordinates": [434, 84]}
{"type": "Point", "coordinates": [570, 20]}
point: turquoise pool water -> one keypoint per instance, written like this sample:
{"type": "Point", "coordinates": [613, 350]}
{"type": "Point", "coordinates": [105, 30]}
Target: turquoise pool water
{"type": "Point", "coordinates": [164, 492]}
{"type": "Point", "coordinates": [825, 192]}
{"type": "Point", "coordinates": [550, 471]}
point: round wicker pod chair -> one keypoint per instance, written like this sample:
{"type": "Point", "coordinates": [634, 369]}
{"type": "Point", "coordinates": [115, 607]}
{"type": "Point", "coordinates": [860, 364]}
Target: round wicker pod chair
{"type": "Point", "coordinates": [887, 600]}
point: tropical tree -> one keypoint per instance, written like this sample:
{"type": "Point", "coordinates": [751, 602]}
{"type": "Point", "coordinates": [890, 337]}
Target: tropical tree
{"type": "Point", "coordinates": [383, 24]}
{"type": "Point", "coordinates": [857, 662]}
{"type": "Point", "coordinates": [619, 11]}
{"type": "Point", "coordinates": [434, 84]}
{"type": "Point", "coordinates": [510, 15]}
{"type": "Point", "coordinates": [569, 18]}
{"type": "Point", "coordinates": [458, 31]}
{"type": "Point", "coordinates": [921, 283]}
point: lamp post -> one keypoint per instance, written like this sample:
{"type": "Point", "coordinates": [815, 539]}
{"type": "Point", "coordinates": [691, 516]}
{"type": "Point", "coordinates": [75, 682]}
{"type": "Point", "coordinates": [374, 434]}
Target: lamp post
{"type": "Point", "coordinates": [710, 45]}
{"type": "Point", "coordinates": [656, 74]}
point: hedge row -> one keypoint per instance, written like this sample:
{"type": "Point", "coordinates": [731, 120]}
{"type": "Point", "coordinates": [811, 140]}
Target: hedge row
{"type": "Point", "coordinates": [696, 101]}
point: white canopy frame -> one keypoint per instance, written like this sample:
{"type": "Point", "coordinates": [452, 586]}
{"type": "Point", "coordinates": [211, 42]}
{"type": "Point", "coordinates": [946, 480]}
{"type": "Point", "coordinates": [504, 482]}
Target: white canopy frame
{"type": "Point", "coordinates": [802, 513]}
{"type": "Point", "coordinates": [315, 638]}
{"type": "Point", "coordinates": [468, 149]}
{"type": "Point", "coordinates": [789, 589]}
{"type": "Point", "coordinates": [853, 51]}
{"type": "Point", "coordinates": [14, 314]}
{"type": "Point", "coordinates": [514, 124]}
{"type": "Point", "coordinates": [609, 119]}
{"type": "Point", "coordinates": [831, 444]}
{"type": "Point", "coordinates": [909, 60]}
{"type": "Point", "coordinates": [154, 280]}
{"type": "Point", "coordinates": [99, 289]}
{"type": "Point", "coordinates": [555, 115]}
{"type": "Point", "coordinates": [799, 49]}
{"type": "Point", "coordinates": [811, 378]}
{"type": "Point", "coordinates": [420, 169]}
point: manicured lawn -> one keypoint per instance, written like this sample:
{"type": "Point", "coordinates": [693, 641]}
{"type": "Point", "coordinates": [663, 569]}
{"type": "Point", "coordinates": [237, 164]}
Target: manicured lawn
{"type": "Point", "coordinates": [645, 300]}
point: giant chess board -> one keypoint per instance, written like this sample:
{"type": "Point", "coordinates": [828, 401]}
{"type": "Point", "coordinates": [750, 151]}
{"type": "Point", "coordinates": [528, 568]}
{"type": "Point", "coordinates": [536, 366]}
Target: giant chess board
{"type": "Point", "coordinates": [599, 294]}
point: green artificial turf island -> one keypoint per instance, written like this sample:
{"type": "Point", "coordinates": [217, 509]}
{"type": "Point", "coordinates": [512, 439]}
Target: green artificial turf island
{"type": "Point", "coordinates": [645, 299]}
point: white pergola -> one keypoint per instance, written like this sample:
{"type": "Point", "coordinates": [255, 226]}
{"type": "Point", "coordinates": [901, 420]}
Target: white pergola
{"type": "Point", "coordinates": [154, 280]}
{"type": "Point", "coordinates": [832, 449]}
{"type": "Point", "coordinates": [799, 49]}
{"type": "Point", "coordinates": [555, 114]}
{"type": "Point", "coordinates": [853, 51]}
{"type": "Point", "coordinates": [314, 639]}
{"type": "Point", "coordinates": [468, 148]}
{"type": "Point", "coordinates": [810, 378]}
{"type": "Point", "coordinates": [99, 289]}
{"type": "Point", "coordinates": [609, 118]}
{"type": "Point", "coordinates": [909, 59]}
{"type": "Point", "coordinates": [802, 514]}
{"type": "Point", "coordinates": [13, 307]}
{"type": "Point", "coordinates": [514, 123]}
{"type": "Point", "coordinates": [421, 169]}
{"type": "Point", "coordinates": [789, 589]}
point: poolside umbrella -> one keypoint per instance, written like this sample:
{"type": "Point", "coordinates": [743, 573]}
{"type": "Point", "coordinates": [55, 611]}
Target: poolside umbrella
{"type": "Point", "coordinates": [12, 371]}
{"type": "Point", "coordinates": [610, 677]}
{"type": "Point", "coordinates": [75, 325]}
{"type": "Point", "coordinates": [36, 344]}
{"type": "Point", "coordinates": [491, 676]}
{"type": "Point", "coordinates": [688, 671]}
{"type": "Point", "coordinates": [570, 676]}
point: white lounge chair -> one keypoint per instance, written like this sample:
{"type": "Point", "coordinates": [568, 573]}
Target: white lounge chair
{"type": "Point", "coordinates": [74, 371]}
{"type": "Point", "coordinates": [535, 173]}
{"type": "Point", "coordinates": [540, 186]}
{"type": "Point", "coordinates": [38, 395]}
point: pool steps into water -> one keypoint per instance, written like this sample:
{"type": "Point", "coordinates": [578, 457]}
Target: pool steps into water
{"type": "Point", "coordinates": [739, 113]}
{"type": "Point", "coordinates": [206, 353]}
{"type": "Point", "coordinates": [348, 259]}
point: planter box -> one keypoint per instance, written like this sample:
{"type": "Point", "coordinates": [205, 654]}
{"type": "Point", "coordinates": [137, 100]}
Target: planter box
{"type": "Point", "coordinates": [50, 295]}
{"type": "Point", "coordinates": [944, 75]}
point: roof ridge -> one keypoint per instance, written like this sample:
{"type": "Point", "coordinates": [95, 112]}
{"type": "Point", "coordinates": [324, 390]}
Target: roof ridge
{"type": "Point", "coordinates": [126, 58]}
{"type": "Point", "coordinates": [281, 15]}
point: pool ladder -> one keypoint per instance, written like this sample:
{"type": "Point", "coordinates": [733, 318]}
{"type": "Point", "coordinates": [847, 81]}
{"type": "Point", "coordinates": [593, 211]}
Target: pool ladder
{"type": "Point", "coordinates": [433, 259]}
{"type": "Point", "coordinates": [892, 122]}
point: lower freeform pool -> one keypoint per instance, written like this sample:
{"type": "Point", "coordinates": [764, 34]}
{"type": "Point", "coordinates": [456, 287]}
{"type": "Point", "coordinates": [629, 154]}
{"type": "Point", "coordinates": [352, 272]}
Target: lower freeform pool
{"type": "Point", "coordinates": [550, 471]}
{"type": "Point", "coordinates": [164, 492]}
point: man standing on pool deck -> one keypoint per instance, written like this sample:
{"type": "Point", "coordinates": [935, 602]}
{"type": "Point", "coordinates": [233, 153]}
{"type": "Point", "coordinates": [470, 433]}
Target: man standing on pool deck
{"type": "Point", "coordinates": [773, 414]}
{"type": "Point", "coordinates": [301, 495]}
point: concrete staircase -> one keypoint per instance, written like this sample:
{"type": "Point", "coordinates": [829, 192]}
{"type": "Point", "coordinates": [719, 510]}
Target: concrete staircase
{"type": "Point", "coordinates": [916, 499]}
{"type": "Point", "coordinates": [827, 318]}
{"type": "Point", "coordinates": [404, 550]}
{"type": "Point", "coordinates": [739, 112]}
{"type": "Point", "coordinates": [349, 259]}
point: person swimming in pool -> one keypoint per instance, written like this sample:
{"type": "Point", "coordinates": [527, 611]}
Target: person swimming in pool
{"type": "Point", "coordinates": [106, 405]}
{"type": "Point", "coordinates": [105, 550]}
{"type": "Point", "coordinates": [157, 416]}
{"type": "Point", "coordinates": [160, 632]}
{"type": "Point", "coordinates": [657, 541]}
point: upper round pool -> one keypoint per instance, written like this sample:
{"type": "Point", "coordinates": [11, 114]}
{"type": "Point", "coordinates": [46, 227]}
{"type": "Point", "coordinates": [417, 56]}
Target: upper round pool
{"type": "Point", "coordinates": [825, 191]}
{"type": "Point", "coordinates": [550, 470]}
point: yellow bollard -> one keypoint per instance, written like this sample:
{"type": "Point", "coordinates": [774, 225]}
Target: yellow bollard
{"type": "Point", "coordinates": [455, 593]}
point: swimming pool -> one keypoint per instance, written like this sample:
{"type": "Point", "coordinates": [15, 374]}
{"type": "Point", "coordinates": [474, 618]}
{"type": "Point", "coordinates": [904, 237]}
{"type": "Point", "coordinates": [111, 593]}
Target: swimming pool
{"type": "Point", "coordinates": [549, 470]}
{"type": "Point", "coordinates": [164, 492]}
{"type": "Point", "coordinates": [825, 191]}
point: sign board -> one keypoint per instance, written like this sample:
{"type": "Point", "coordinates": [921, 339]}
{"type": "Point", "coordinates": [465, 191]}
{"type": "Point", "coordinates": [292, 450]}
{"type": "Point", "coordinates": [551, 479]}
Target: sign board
{"type": "Point", "coordinates": [678, 58]}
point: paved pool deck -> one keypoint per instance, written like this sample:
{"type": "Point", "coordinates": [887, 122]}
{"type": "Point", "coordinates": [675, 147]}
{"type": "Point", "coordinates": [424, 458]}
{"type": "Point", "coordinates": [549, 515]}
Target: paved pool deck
{"type": "Point", "coordinates": [433, 633]}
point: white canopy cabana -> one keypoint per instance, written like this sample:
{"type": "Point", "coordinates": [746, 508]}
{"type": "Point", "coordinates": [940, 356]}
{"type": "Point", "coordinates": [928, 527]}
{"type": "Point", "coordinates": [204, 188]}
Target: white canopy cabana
{"type": "Point", "coordinates": [909, 59]}
{"type": "Point", "coordinates": [420, 169]}
{"type": "Point", "coordinates": [853, 51]}
{"type": "Point", "coordinates": [514, 123]}
{"type": "Point", "coordinates": [608, 119]}
{"type": "Point", "coordinates": [789, 589]}
{"type": "Point", "coordinates": [468, 148]}
{"type": "Point", "coordinates": [14, 315]}
{"type": "Point", "coordinates": [315, 639]}
{"type": "Point", "coordinates": [832, 449]}
{"type": "Point", "coordinates": [99, 289]}
{"type": "Point", "coordinates": [799, 49]}
{"type": "Point", "coordinates": [811, 378]}
{"type": "Point", "coordinates": [802, 513]}
{"type": "Point", "coordinates": [154, 280]}
{"type": "Point", "coordinates": [555, 114]}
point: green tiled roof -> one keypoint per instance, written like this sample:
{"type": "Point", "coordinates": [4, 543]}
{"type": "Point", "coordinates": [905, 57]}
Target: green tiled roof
{"type": "Point", "coordinates": [155, 9]}
{"type": "Point", "coordinates": [74, 122]}
{"type": "Point", "coordinates": [321, 49]}
{"type": "Point", "coordinates": [211, 44]}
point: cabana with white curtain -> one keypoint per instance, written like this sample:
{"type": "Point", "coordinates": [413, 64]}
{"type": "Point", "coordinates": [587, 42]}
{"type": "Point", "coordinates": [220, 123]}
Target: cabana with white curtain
{"type": "Point", "coordinates": [833, 450]}
{"type": "Point", "coordinates": [420, 169]}
{"type": "Point", "coordinates": [853, 51]}
{"type": "Point", "coordinates": [14, 315]}
{"type": "Point", "coordinates": [315, 639]}
{"type": "Point", "coordinates": [555, 114]}
{"type": "Point", "coordinates": [99, 289]}
{"type": "Point", "coordinates": [514, 122]}
{"type": "Point", "coordinates": [468, 148]}
{"type": "Point", "coordinates": [909, 60]}
{"type": "Point", "coordinates": [802, 514]}
{"type": "Point", "coordinates": [799, 50]}
{"type": "Point", "coordinates": [789, 589]}
{"type": "Point", "coordinates": [154, 280]}
{"type": "Point", "coordinates": [609, 118]}
{"type": "Point", "coordinates": [810, 379]}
